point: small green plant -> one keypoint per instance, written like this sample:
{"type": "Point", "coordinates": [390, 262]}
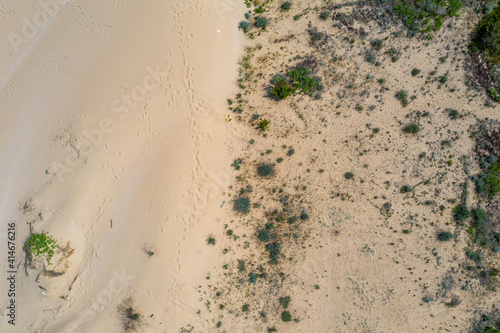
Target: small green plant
{"type": "Point", "coordinates": [261, 22]}
{"type": "Point", "coordinates": [290, 152]}
{"type": "Point", "coordinates": [265, 170]}
{"type": "Point", "coordinates": [41, 245]}
{"type": "Point", "coordinates": [377, 44]}
{"type": "Point", "coordinates": [476, 256]}
{"type": "Point", "coordinates": [263, 125]}
{"type": "Point", "coordinates": [286, 316]}
{"type": "Point", "coordinates": [406, 189]}
{"type": "Point", "coordinates": [453, 114]}
{"type": "Point", "coordinates": [411, 129]}
{"type": "Point", "coordinates": [244, 25]}
{"type": "Point", "coordinates": [286, 5]}
{"type": "Point", "coordinates": [211, 240]}
{"type": "Point", "coordinates": [242, 205]}
{"type": "Point", "coordinates": [349, 175]}
{"type": "Point", "coordinates": [131, 318]}
{"type": "Point", "coordinates": [242, 267]}
{"type": "Point", "coordinates": [415, 72]}
{"type": "Point", "coordinates": [402, 95]}
{"type": "Point", "coordinates": [245, 308]}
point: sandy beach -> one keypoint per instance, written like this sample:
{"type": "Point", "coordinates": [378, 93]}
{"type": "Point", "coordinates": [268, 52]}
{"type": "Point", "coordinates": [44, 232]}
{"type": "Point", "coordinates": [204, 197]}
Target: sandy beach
{"type": "Point", "coordinates": [113, 135]}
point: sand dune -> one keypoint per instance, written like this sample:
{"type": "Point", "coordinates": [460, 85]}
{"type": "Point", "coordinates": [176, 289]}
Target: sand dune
{"type": "Point", "coordinates": [113, 132]}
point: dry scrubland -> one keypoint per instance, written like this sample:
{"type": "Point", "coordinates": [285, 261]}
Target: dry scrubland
{"type": "Point", "coordinates": [365, 198]}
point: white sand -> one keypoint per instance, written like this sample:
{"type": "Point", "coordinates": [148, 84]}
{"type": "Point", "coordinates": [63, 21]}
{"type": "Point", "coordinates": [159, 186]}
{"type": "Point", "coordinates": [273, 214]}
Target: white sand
{"type": "Point", "coordinates": [146, 167]}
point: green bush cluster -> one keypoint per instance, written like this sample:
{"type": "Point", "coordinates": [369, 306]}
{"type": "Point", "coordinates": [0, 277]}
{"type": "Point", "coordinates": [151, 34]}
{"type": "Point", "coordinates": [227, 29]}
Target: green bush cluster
{"type": "Point", "coordinates": [263, 235]}
{"type": "Point", "coordinates": [285, 301]}
{"type": "Point", "coordinates": [244, 25]}
{"type": "Point", "coordinates": [297, 79]}
{"type": "Point", "coordinates": [489, 181]}
{"type": "Point", "coordinates": [418, 17]}
{"type": "Point", "coordinates": [274, 252]}
{"type": "Point", "coordinates": [286, 5]}
{"type": "Point", "coordinates": [402, 95]}
{"type": "Point", "coordinates": [411, 129]}
{"type": "Point", "coordinates": [486, 38]}
{"type": "Point", "coordinates": [483, 233]}
{"type": "Point", "coordinates": [242, 205]}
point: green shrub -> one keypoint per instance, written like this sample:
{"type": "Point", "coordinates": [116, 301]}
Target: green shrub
{"type": "Point", "coordinates": [263, 235]}
{"type": "Point", "coordinates": [304, 216]}
{"type": "Point", "coordinates": [41, 245]}
{"type": "Point", "coordinates": [245, 308]}
{"type": "Point", "coordinates": [242, 205]}
{"type": "Point", "coordinates": [461, 213]}
{"type": "Point", "coordinates": [444, 236]}
{"type": "Point", "coordinates": [296, 79]}
{"type": "Point", "coordinates": [244, 25]}
{"type": "Point", "coordinates": [486, 38]}
{"type": "Point", "coordinates": [301, 80]}
{"type": "Point", "coordinates": [377, 44]}
{"type": "Point", "coordinates": [479, 215]}
{"type": "Point", "coordinates": [282, 88]}
{"type": "Point", "coordinates": [349, 175]}
{"type": "Point", "coordinates": [242, 267]}
{"type": "Point", "coordinates": [265, 170]}
{"type": "Point", "coordinates": [274, 252]}
{"type": "Point", "coordinates": [453, 114]}
{"type": "Point", "coordinates": [406, 189]}
{"type": "Point", "coordinates": [290, 152]}
{"type": "Point", "coordinates": [402, 95]}
{"type": "Point", "coordinates": [476, 256]}
{"type": "Point", "coordinates": [261, 22]}
{"type": "Point", "coordinates": [411, 129]}
{"type": "Point", "coordinates": [489, 181]}
{"type": "Point", "coordinates": [324, 15]}
{"type": "Point", "coordinates": [286, 5]}
{"type": "Point", "coordinates": [415, 72]}
{"type": "Point", "coordinates": [285, 301]}
{"type": "Point", "coordinates": [286, 316]}
{"type": "Point", "coordinates": [252, 278]}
